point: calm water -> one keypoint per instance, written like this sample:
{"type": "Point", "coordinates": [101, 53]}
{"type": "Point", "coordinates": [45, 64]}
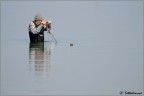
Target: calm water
{"type": "Point", "coordinates": [105, 59]}
{"type": "Point", "coordinates": [54, 69]}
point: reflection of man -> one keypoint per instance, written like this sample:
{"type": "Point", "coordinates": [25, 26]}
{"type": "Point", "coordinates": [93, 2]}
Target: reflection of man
{"type": "Point", "coordinates": [36, 56]}
{"type": "Point", "coordinates": [40, 57]}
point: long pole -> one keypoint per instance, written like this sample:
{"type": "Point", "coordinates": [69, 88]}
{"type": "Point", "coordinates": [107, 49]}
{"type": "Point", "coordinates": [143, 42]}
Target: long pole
{"type": "Point", "coordinates": [52, 36]}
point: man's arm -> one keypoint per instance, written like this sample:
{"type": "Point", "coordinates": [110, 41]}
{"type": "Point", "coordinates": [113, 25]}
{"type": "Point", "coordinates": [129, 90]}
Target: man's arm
{"type": "Point", "coordinates": [33, 29]}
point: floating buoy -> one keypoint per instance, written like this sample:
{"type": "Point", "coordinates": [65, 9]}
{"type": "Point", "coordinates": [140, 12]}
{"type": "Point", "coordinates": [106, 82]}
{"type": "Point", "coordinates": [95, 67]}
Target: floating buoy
{"type": "Point", "coordinates": [71, 44]}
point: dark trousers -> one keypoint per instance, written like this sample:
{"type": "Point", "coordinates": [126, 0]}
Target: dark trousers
{"type": "Point", "coordinates": [36, 37]}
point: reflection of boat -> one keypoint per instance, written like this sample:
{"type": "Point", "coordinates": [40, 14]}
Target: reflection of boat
{"type": "Point", "coordinates": [40, 57]}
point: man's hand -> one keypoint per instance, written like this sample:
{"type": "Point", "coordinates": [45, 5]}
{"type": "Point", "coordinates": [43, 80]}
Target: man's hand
{"type": "Point", "coordinates": [47, 22]}
{"type": "Point", "coordinates": [43, 25]}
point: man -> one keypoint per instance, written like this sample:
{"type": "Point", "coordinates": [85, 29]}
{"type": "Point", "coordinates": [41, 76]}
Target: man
{"type": "Point", "coordinates": [37, 28]}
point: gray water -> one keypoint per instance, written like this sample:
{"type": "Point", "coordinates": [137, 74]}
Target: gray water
{"type": "Point", "coordinates": [106, 57]}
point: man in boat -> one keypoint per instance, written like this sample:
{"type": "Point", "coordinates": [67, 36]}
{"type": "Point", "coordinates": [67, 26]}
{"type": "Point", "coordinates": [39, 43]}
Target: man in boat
{"type": "Point", "coordinates": [37, 28]}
